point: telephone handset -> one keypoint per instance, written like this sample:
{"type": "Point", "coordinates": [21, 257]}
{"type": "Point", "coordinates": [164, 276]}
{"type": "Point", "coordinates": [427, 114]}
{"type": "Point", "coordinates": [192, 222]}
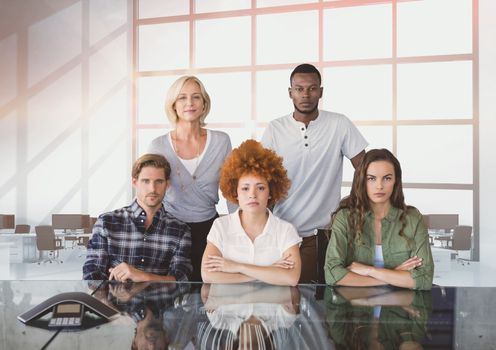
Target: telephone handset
{"type": "Point", "coordinates": [68, 309]}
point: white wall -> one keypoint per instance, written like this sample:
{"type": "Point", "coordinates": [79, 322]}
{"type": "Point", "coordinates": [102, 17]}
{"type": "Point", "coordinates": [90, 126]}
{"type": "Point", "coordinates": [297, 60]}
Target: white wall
{"type": "Point", "coordinates": [487, 140]}
{"type": "Point", "coordinates": [65, 137]}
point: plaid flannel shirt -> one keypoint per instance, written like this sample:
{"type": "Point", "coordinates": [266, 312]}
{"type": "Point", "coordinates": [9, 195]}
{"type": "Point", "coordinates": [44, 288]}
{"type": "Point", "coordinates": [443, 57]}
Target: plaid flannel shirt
{"type": "Point", "coordinates": [120, 236]}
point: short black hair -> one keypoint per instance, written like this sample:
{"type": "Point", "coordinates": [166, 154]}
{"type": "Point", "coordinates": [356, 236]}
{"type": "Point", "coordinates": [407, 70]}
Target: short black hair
{"type": "Point", "coordinates": [305, 68]}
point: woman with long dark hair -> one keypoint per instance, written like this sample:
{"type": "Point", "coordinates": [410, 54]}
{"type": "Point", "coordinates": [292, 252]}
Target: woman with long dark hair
{"type": "Point", "coordinates": [377, 239]}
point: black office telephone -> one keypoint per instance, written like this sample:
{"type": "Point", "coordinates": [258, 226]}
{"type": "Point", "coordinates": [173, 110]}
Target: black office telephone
{"type": "Point", "coordinates": [68, 310]}
{"type": "Point", "coordinates": [67, 315]}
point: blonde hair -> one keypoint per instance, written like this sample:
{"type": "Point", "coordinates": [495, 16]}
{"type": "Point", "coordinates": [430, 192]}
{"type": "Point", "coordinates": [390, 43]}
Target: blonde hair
{"type": "Point", "coordinates": [175, 90]}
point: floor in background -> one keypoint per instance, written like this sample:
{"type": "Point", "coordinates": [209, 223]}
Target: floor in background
{"type": "Point", "coordinates": [69, 269]}
{"type": "Point", "coordinates": [453, 273]}
{"type": "Point", "coordinates": [470, 274]}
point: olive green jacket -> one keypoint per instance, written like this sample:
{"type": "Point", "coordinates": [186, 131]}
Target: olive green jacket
{"type": "Point", "coordinates": [395, 248]}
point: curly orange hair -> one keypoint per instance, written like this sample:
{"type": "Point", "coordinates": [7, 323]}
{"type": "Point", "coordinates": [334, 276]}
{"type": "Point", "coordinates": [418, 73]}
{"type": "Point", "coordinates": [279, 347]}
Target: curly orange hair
{"type": "Point", "coordinates": [252, 158]}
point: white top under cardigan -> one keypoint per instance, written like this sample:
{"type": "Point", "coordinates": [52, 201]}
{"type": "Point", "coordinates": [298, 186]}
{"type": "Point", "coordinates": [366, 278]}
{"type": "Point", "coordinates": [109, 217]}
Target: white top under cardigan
{"type": "Point", "coordinates": [230, 238]}
{"type": "Point", "coordinates": [192, 164]}
{"type": "Point", "coordinates": [188, 199]}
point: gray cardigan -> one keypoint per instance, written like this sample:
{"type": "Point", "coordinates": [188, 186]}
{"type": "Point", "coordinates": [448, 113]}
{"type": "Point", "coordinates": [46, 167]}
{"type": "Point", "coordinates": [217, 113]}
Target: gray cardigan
{"type": "Point", "coordinates": [187, 199]}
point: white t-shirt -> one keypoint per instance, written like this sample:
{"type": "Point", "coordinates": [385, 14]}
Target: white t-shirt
{"type": "Point", "coordinates": [313, 157]}
{"type": "Point", "coordinates": [230, 238]}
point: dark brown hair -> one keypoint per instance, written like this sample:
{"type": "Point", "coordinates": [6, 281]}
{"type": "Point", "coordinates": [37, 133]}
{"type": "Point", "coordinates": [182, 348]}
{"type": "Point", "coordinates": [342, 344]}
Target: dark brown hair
{"type": "Point", "coordinates": [154, 160]}
{"type": "Point", "coordinates": [358, 201]}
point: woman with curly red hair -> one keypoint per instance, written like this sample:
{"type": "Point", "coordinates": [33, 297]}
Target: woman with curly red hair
{"type": "Point", "coordinates": [251, 243]}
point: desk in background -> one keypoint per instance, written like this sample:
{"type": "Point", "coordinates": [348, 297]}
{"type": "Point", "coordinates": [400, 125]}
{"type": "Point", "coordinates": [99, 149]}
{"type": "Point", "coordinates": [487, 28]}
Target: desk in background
{"type": "Point", "coordinates": [21, 247]}
{"type": "Point", "coordinates": [195, 316]}
{"type": "Point", "coordinates": [5, 260]}
{"type": "Point", "coordinates": [433, 234]}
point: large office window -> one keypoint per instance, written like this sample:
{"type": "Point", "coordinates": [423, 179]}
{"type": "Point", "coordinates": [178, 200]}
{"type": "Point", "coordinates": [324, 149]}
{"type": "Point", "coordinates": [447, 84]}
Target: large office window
{"type": "Point", "coordinates": [410, 88]}
{"type": "Point", "coordinates": [64, 107]}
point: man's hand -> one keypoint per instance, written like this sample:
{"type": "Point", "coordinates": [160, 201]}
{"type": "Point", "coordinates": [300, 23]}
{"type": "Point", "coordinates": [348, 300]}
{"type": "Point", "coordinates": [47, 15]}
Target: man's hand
{"type": "Point", "coordinates": [285, 262]}
{"type": "Point", "coordinates": [409, 264]}
{"type": "Point", "coordinates": [360, 269]}
{"type": "Point", "coordinates": [124, 292]}
{"type": "Point", "coordinates": [215, 263]}
{"type": "Point", "coordinates": [124, 272]}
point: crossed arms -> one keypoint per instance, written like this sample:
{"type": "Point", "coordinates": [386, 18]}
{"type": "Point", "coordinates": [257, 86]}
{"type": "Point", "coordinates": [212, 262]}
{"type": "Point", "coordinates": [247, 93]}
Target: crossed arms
{"type": "Point", "coordinates": [217, 269]}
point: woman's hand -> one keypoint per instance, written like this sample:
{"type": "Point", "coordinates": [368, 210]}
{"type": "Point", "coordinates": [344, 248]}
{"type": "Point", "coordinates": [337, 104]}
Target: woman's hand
{"type": "Point", "coordinates": [215, 263]}
{"type": "Point", "coordinates": [360, 269]}
{"type": "Point", "coordinates": [362, 302]}
{"type": "Point", "coordinates": [285, 262]}
{"type": "Point", "coordinates": [409, 264]}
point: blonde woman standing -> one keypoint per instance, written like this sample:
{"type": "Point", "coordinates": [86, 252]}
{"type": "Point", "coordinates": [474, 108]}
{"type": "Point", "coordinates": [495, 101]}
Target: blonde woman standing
{"type": "Point", "coordinates": [196, 155]}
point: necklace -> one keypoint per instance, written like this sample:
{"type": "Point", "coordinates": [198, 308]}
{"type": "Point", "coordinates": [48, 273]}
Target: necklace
{"type": "Point", "coordinates": [178, 169]}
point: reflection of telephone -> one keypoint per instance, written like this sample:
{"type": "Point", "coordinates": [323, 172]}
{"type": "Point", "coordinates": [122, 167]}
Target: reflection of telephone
{"type": "Point", "coordinates": [68, 309]}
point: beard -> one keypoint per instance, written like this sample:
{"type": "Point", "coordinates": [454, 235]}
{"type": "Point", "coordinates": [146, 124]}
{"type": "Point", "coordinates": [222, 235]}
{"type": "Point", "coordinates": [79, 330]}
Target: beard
{"type": "Point", "coordinates": [307, 111]}
{"type": "Point", "coordinates": [154, 201]}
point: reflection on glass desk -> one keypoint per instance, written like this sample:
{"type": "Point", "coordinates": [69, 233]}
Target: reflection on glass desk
{"type": "Point", "coordinates": [17, 297]}
{"type": "Point", "coordinates": [196, 316]}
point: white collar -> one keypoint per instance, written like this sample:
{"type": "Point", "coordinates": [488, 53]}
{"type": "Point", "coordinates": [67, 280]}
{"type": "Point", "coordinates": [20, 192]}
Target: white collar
{"type": "Point", "coordinates": [239, 230]}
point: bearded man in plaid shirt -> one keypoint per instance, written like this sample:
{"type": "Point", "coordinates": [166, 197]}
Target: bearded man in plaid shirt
{"type": "Point", "coordinates": [141, 242]}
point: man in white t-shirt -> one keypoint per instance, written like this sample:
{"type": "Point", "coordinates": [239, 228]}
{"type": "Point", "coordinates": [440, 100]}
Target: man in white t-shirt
{"type": "Point", "coordinates": [312, 144]}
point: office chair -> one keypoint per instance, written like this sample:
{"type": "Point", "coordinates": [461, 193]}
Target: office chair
{"type": "Point", "coordinates": [82, 242]}
{"type": "Point", "coordinates": [462, 240]}
{"type": "Point", "coordinates": [7, 221]}
{"type": "Point", "coordinates": [91, 223]}
{"type": "Point", "coordinates": [22, 229]}
{"type": "Point", "coordinates": [46, 242]}
{"type": "Point", "coordinates": [71, 224]}
{"type": "Point", "coordinates": [442, 225]}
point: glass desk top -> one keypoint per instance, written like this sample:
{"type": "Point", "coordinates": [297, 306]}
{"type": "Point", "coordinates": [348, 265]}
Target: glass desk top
{"type": "Point", "coordinates": [202, 316]}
